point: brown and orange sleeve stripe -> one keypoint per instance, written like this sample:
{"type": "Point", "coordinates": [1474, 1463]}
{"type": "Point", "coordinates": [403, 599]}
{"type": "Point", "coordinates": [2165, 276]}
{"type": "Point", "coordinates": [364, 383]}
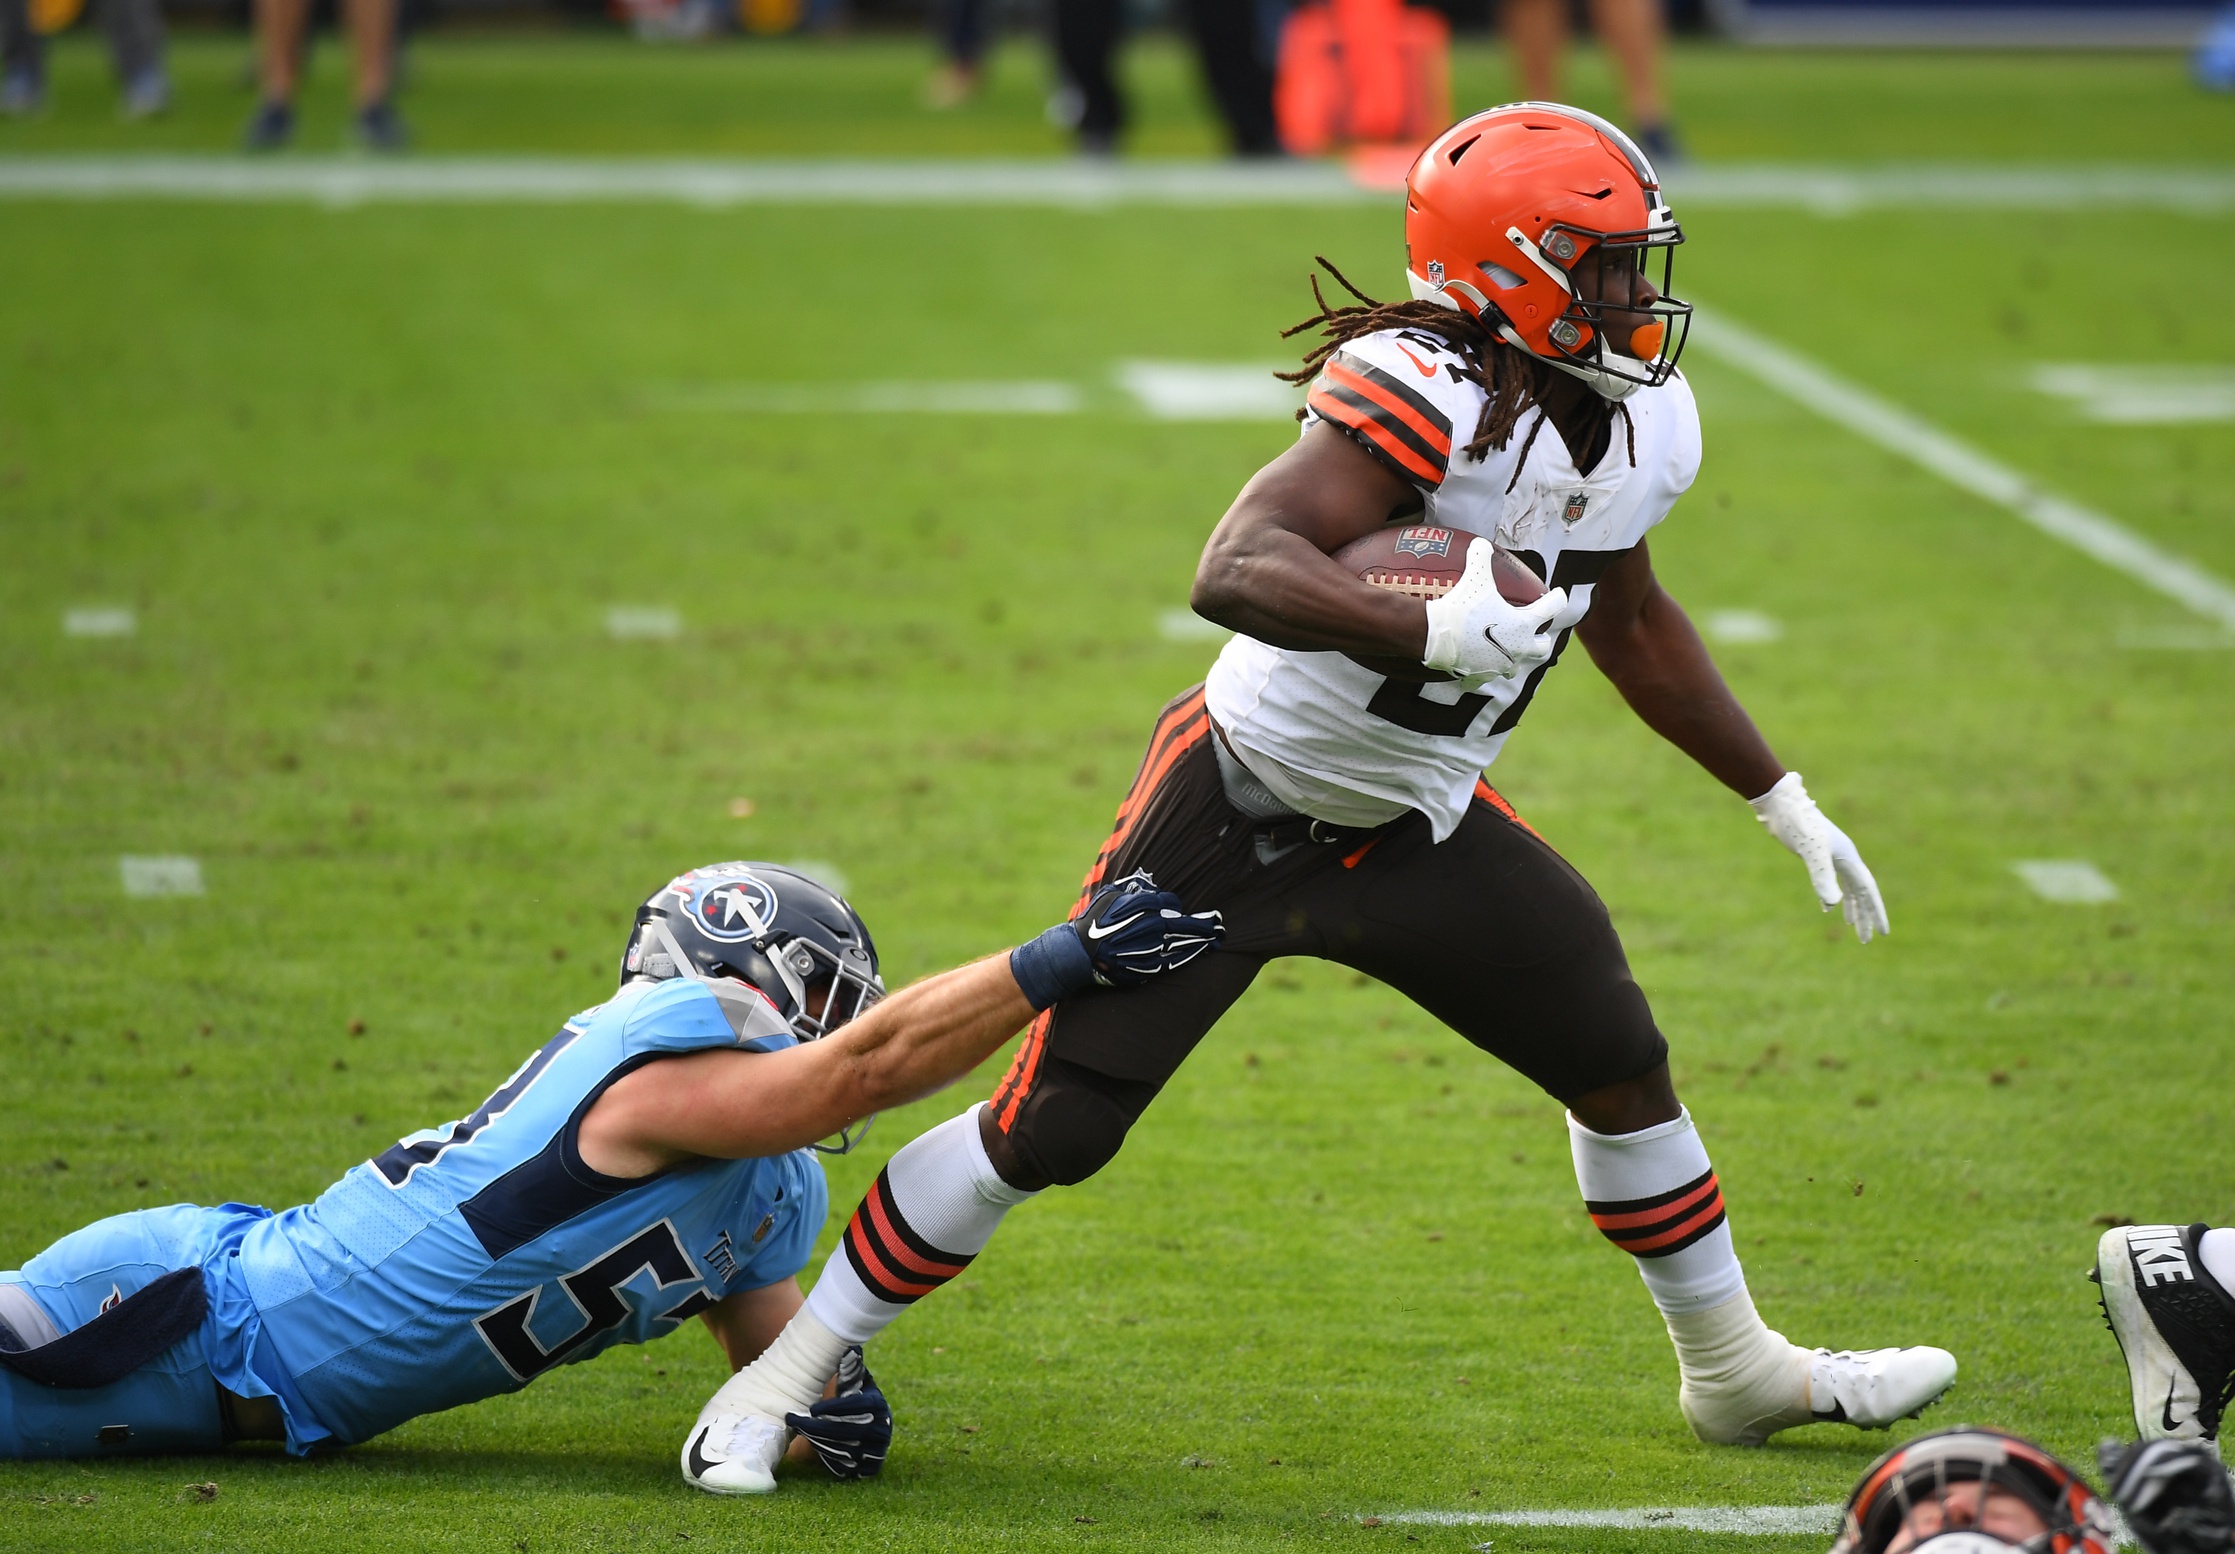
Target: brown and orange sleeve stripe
{"type": "Point", "coordinates": [1392, 420]}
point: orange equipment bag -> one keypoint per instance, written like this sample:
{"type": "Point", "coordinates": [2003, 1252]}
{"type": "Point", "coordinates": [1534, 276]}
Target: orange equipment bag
{"type": "Point", "coordinates": [1356, 71]}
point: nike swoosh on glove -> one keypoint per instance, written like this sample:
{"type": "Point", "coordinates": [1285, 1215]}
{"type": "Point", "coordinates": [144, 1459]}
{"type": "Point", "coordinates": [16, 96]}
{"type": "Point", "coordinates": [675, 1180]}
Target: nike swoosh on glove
{"type": "Point", "coordinates": [1473, 631]}
{"type": "Point", "coordinates": [852, 1431]}
{"type": "Point", "coordinates": [1835, 868]}
{"type": "Point", "coordinates": [1129, 932]}
{"type": "Point", "coordinates": [1133, 931]}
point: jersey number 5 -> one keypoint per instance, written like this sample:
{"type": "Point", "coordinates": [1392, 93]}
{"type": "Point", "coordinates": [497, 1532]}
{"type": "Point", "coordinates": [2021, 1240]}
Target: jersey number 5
{"type": "Point", "coordinates": [596, 1292]}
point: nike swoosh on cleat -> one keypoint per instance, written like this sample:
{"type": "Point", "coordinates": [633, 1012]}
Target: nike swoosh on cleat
{"type": "Point", "coordinates": [700, 1463]}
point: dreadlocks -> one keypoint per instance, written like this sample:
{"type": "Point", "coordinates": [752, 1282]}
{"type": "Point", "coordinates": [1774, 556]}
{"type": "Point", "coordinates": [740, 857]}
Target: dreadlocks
{"type": "Point", "coordinates": [1513, 381]}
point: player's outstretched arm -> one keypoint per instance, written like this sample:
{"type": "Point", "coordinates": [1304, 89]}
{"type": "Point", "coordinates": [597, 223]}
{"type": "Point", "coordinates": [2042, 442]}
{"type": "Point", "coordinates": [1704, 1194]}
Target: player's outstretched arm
{"type": "Point", "coordinates": [1642, 640]}
{"type": "Point", "coordinates": [733, 1105]}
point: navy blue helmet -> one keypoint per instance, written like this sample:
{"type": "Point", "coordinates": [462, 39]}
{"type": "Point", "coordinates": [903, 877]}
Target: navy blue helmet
{"type": "Point", "coordinates": [766, 925]}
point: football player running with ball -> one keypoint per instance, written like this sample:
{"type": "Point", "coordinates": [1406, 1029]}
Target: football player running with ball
{"type": "Point", "coordinates": [1324, 790]}
{"type": "Point", "coordinates": [646, 1165]}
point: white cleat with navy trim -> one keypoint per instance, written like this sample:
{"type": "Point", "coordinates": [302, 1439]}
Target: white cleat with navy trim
{"type": "Point", "coordinates": [734, 1454]}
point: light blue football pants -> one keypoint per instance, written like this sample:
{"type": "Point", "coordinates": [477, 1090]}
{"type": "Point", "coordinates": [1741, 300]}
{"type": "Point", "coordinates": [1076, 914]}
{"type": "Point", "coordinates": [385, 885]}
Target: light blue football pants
{"type": "Point", "coordinates": [169, 1404]}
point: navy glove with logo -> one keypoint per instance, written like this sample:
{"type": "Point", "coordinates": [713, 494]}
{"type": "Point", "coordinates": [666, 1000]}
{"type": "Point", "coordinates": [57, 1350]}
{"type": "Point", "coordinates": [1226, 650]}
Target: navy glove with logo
{"type": "Point", "coordinates": [2175, 1495]}
{"type": "Point", "coordinates": [852, 1430]}
{"type": "Point", "coordinates": [1129, 932]}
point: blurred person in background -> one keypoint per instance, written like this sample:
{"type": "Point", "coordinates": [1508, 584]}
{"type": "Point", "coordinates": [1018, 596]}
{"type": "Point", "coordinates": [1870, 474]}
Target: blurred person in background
{"type": "Point", "coordinates": [2215, 55]}
{"type": "Point", "coordinates": [135, 29]}
{"type": "Point", "coordinates": [281, 35]}
{"type": "Point", "coordinates": [1231, 40]}
{"type": "Point", "coordinates": [962, 26]}
{"type": "Point", "coordinates": [1633, 31]}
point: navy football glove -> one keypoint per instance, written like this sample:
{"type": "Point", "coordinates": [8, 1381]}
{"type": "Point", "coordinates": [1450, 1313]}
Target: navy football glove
{"type": "Point", "coordinates": [852, 1431]}
{"type": "Point", "coordinates": [2175, 1495]}
{"type": "Point", "coordinates": [1129, 932]}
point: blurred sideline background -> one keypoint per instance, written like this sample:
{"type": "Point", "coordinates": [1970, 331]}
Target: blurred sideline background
{"type": "Point", "coordinates": [860, 77]}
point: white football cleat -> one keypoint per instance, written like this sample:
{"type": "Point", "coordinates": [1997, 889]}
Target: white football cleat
{"type": "Point", "coordinates": [1871, 1388]}
{"type": "Point", "coordinates": [735, 1454]}
{"type": "Point", "coordinates": [2175, 1325]}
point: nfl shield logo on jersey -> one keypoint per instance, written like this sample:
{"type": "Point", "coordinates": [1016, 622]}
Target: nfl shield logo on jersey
{"type": "Point", "coordinates": [1424, 542]}
{"type": "Point", "coordinates": [729, 906]}
{"type": "Point", "coordinates": [1573, 512]}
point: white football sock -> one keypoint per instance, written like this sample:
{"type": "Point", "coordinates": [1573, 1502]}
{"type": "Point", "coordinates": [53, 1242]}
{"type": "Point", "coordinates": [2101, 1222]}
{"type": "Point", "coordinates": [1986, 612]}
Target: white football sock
{"type": "Point", "coordinates": [787, 1378]}
{"type": "Point", "coordinates": [1653, 1194]}
{"type": "Point", "coordinates": [2216, 1250]}
{"type": "Point", "coordinates": [1741, 1380]}
{"type": "Point", "coordinates": [932, 1209]}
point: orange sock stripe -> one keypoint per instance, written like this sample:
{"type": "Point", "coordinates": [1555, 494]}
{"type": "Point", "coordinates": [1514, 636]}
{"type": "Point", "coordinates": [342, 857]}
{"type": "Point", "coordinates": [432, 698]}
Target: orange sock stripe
{"type": "Point", "coordinates": [1677, 1237]}
{"type": "Point", "coordinates": [893, 1237]}
{"type": "Point", "coordinates": [877, 1274]}
{"type": "Point", "coordinates": [1665, 1222]}
{"type": "Point", "coordinates": [1658, 1214]}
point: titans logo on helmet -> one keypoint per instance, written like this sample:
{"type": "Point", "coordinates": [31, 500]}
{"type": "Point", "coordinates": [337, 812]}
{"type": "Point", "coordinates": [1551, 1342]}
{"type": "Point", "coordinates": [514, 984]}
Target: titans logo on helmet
{"type": "Point", "coordinates": [729, 906]}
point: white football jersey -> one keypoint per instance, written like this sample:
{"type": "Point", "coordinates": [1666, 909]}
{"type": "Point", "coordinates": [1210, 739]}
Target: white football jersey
{"type": "Point", "coordinates": [1334, 739]}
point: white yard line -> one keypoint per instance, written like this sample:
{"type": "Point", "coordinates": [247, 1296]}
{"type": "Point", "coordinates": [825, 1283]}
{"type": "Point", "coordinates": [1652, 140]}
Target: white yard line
{"type": "Point", "coordinates": [1957, 462]}
{"type": "Point", "coordinates": [1785, 1520]}
{"type": "Point", "coordinates": [355, 180]}
{"type": "Point", "coordinates": [160, 876]}
{"type": "Point", "coordinates": [665, 180]}
{"type": "Point", "coordinates": [2141, 395]}
{"type": "Point", "coordinates": [2073, 881]}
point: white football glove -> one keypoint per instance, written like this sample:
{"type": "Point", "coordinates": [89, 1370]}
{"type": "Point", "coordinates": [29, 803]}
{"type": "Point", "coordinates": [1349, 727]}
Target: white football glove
{"type": "Point", "coordinates": [1834, 867]}
{"type": "Point", "coordinates": [1473, 631]}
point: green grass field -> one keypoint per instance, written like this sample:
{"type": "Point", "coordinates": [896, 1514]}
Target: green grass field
{"type": "Point", "coordinates": [371, 479]}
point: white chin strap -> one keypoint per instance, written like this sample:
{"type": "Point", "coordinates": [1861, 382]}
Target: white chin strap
{"type": "Point", "coordinates": [1607, 385]}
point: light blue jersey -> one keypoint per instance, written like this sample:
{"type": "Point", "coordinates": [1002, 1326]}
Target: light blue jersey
{"type": "Point", "coordinates": [467, 1260]}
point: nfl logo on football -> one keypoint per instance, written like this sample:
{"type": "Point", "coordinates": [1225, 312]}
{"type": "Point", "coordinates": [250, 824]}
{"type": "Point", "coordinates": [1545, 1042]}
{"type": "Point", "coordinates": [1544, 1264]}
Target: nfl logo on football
{"type": "Point", "coordinates": [1424, 542]}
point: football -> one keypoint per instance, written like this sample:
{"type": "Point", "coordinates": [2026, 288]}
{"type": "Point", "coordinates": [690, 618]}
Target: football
{"type": "Point", "coordinates": [1426, 562]}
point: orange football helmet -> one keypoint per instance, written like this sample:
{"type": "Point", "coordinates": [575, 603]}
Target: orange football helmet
{"type": "Point", "coordinates": [1924, 1468]}
{"type": "Point", "coordinates": [1506, 211]}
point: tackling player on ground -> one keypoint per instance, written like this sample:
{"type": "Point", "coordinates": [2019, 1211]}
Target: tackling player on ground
{"type": "Point", "coordinates": [1324, 788]}
{"type": "Point", "coordinates": [647, 1164]}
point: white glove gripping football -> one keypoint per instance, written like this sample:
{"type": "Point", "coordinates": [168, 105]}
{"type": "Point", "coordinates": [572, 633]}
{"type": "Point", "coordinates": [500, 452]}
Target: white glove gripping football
{"type": "Point", "coordinates": [1834, 867]}
{"type": "Point", "coordinates": [1473, 631]}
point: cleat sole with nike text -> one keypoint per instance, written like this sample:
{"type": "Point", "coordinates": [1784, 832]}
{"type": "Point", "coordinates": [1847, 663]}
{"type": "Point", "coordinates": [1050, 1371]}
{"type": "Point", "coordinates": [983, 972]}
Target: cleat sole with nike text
{"type": "Point", "coordinates": [2174, 1324]}
{"type": "Point", "coordinates": [734, 1454]}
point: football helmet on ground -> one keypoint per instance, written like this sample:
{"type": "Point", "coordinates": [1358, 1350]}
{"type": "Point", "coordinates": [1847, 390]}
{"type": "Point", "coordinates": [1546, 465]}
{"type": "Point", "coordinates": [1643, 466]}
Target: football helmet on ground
{"type": "Point", "coordinates": [769, 926]}
{"type": "Point", "coordinates": [1971, 1491]}
{"type": "Point", "coordinates": [1527, 217]}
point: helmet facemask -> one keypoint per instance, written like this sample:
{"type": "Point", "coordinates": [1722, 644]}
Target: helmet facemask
{"type": "Point", "coordinates": [2014, 1499]}
{"type": "Point", "coordinates": [806, 968]}
{"type": "Point", "coordinates": [1585, 336]}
